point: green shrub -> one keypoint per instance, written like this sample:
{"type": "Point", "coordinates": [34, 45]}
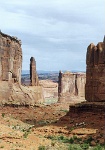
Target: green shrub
{"type": "Point", "coordinates": [64, 110]}
{"type": "Point", "coordinates": [52, 137]}
{"type": "Point", "coordinates": [2, 146]}
{"type": "Point", "coordinates": [3, 115]}
{"type": "Point", "coordinates": [88, 141]}
{"type": "Point", "coordinates": [74, 147]}
{"type": "Point", "coordinates": [72, 128]}
{"type": "Point", "coordinates": [71, 140]}
{"type": "Point", "coordinates": [61, 137]}
{"type": "Point", "coordinates": [84, 146]}
{"type": "Point", "coordinates": [41, 148]}
{"type": "Point", "coordinates": [78, 140]}
{"type": "Point", "coordinates": [26, 133]}
{"type": "Point", "coordinates": [98, 147]}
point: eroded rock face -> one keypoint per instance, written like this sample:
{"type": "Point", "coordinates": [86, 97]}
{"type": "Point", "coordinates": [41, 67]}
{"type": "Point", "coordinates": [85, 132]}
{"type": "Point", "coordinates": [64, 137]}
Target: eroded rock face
{"type": "Point", "coordinates": [95, 72]}
{"type": "Point", "coordinates": [71, 86]}
{"type": "Point", "coordinates": [15, 94]}
{"type": "Point", "coordinates": [50, 89]}
{"type": "Point", "coordinates": [10, 58]}
{"type": "Point", "coordinates": [33, 74]}
{"type": "Point", "coordinates": [11, 90]}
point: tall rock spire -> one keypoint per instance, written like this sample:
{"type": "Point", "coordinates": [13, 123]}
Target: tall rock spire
{"type": "Point", "coordinates": [33, 73]}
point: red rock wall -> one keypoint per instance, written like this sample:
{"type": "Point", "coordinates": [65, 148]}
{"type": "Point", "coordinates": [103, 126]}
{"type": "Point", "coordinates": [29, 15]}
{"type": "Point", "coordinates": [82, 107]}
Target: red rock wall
{"type": "Point", "coordinates": [95, 72]}
{"type": "Point", "coordinates": [71, 86]}
{"type": "Point", "coordinates": [50, 89]}
{"type": "Point", "coordinates": [11, 90]}
{"type": "Point", "coordinates": [10, 58]}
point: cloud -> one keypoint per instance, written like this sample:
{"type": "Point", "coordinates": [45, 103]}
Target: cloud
{"type": "Point", "coordinates": [55, 32]}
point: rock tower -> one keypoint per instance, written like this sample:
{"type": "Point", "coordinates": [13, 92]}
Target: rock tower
{"type": "Point", "coordinates": [33, 73]}
{"type": "Point", "coordinates": [10, 58]}
{"type": "Point", "coordinates": [95, 72]}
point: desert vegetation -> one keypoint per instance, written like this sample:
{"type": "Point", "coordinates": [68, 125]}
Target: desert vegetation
{"type": "Point", "coordinates": [50, 127]}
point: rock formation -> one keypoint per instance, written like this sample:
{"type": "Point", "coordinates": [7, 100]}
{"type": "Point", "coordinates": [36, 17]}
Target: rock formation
{"type": "Point", "coordinates": [19, 95]}
{"type": "Point", "coordinates": [71, 86]}
{"type": "Point", "coordinates": [50, 89]}
{"type": "Point", "coordinates": [95, 72]}
{"type": "Point", "coordinates": [11, 90]}
{"type": "Point", "coordinates": [95, 81]}
{"type": "Point", "coordinates": [33, 74]}
{"type": "Point", "coordinates": [10, 58]}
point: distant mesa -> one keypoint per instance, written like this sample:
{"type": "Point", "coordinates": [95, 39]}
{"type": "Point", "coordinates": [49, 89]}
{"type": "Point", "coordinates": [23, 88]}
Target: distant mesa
{"type": "Point", "coordinates": [89, 86]}
{"type": "Point", "coordinates": [71, 87]}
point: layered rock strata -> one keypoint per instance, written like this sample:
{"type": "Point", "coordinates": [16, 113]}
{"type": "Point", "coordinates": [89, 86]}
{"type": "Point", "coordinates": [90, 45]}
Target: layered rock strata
{"type": "Point", "coordinates": [50, 89]}
{"type": "Point", "coordinates": [95, 73]}
{"type": "Point", "coordinates": [71, 86]}
{"type": "Point", "coordinates": [33, 74]}
{"type": "Point", "coordinates": [10, 58]}
{"type": "Point", "coordinates": [11, 90]}
{"type": "Point", "coordinates": [88, 106]}
{"type": "Point", "coordinates": [19, 95]}
{"type": "Point", "coordinates": [95, 81]}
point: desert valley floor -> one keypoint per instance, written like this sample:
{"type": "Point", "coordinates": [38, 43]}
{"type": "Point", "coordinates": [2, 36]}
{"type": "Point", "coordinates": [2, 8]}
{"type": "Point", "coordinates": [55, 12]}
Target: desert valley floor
{"type": "Point", "coordinates": [49, 127]}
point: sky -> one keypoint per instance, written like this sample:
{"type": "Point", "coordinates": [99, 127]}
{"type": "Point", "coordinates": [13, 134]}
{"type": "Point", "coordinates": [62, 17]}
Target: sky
{"type": "Point", "coordinates": [55, 32]}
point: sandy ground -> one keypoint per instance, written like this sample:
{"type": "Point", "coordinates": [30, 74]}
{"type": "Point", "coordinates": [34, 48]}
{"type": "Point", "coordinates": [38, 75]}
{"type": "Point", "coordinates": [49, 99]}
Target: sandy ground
{"type": "Point", "coordinates": [28, 128]}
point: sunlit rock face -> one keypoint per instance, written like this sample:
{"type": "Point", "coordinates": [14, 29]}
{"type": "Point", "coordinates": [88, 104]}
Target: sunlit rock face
{"type": "Point", "coordinates": [11, 90]}
{"type": "Point", "coordinates": [95, 72]}
{"type": "Point", "coordinates": [10, 58]}
{"type": "Point", "coordinates": [71, 86]}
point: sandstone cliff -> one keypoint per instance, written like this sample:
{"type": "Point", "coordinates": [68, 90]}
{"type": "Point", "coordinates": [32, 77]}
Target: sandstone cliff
{"type": "Point", "coordinates": [71, 86]}
{"type": "Point", "coordinates": [16, 94]}
{"type": "Point", "coordinates": [95, 72]}
{"type": "Point", "coordinates": [11, 90]}
{"type": "Point", "coordinates": [50, 89]}
{"type": "Point", "coordinates": [10, 58]}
